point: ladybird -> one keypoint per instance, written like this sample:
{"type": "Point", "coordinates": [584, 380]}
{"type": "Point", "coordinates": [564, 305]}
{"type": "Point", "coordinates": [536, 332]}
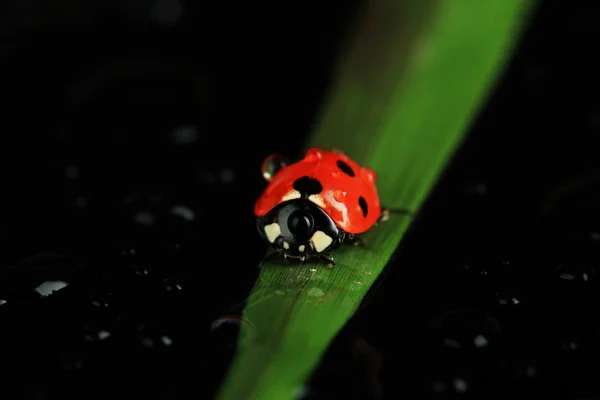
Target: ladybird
{"type": "Point", "coordinates": [312, 206]}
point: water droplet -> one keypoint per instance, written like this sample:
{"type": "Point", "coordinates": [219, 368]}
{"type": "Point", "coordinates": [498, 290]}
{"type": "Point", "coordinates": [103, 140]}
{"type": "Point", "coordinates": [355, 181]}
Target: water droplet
{"type": "Point", "coordinates": [301, 392]}
{"type": "Point", "coordinates": [145, 218]}
{"type": "Point", "coordinates": [49, 287]}
{"type": "Point", "coordinates": [316, 292]}
{"type": "Point", "coordinates": [141, 271]}
{"type": "Point", "coordinates": [170, 285]}
{"type": "Point", "coordinates": [227, 176]}
{"type": "Point", "coordinates": [279, 292]}
{"type": "Point", "coordinates": [186, 134]}
{"type": "Point", "coordinates": [575, 271]}
{"type": "Point", "coordinates": [72, 172]}
{"type": "Point", "coordinates": [460, 385]}
{"type": "Point", "coordinates": [480, 341]}
{"type": "Point", "coordinates": [168, 12]}
{"type": "Point", "coordinates": [183, 212]}
{"type": "Point", "coordinates": [465, 328]}
{"type": "Point", "coordinates": [166, 340]}
{"type": "Point", "coordinates": [81, 202]}
{"type": "Point", "coordinates": [339, 196]}
{"type": "Point", "coordinates": [206, 176]}
{"type": "Point", "coordinates": [438, 387]}
{"type": "Point", "coordinates": [71, 363]}
{"type": "Point", "coordinates": [103, 335]}
{"type": "Point", "coordinates": [2, 302]}
{"type": "Point", "coordinates": [313, 155]}
{"type": "Point", "coordinates": [452, 343]}
{"type": "Point", "coordinates": [128, 251]}
{"type": "Point", "coordinates": [595, 120]}
{"type": "Point", "coordinates": [570, 345]}
{"type": "Point", "coordinates": [476, 188]}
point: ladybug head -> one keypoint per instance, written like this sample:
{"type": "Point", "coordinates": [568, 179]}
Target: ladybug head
{"type": "Point", "coordinates": [300, 229]}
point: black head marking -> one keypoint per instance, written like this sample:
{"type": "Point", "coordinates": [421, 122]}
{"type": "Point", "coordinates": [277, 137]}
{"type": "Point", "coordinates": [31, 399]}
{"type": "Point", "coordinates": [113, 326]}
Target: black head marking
{"type": "Point", "coordinates": [301, 223]}
{"type": "Point", "coordinates": [307, 186]}
{"type": "Point", "coordinates": [363, 205]}
{"type": "Point", "coordinates": [345, 168]}
{"type": "Point", "coordinates": [298, 220]}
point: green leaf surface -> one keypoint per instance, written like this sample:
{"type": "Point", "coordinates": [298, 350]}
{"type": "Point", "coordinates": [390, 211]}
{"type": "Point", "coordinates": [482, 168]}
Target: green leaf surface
{"type": "Point", "coordinates": [406, 91]}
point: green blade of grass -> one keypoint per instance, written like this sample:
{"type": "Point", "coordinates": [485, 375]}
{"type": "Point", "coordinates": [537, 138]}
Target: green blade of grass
{"type": "Point", "coordinates": [411, 83]}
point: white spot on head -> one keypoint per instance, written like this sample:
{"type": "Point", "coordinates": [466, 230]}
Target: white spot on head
{"type": "Point", "coordinates": [286, 245]}
{"type": "Point", "coordinates": [321, 241]}
{"type": "Point", "coordinates": [272, 231]}
{"type": "Point", "coordinates": [301, 248]}
{"type": "Point", "coordinates": [317, 199]}
{"type": "Point", "coordinates": [291, 195]}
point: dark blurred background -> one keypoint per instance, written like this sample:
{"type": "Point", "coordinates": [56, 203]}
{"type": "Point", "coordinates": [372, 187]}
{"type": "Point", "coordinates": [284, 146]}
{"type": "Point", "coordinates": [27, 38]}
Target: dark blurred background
{"type": "Point", "coordinates": [133, 133]}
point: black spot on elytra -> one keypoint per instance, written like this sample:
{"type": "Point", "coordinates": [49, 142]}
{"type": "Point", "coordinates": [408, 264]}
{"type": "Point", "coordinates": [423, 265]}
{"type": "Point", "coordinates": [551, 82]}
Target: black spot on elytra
{"type": "Point", "coordinates": [363, 205]}
{"type": "Point", "coordinates": [345, 168]}
{"type": "Point", "coordinates": [307, 186]}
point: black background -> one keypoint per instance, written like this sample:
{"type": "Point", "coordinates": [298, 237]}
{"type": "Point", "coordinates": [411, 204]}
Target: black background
{"type": "Point", "coordinates": [506, 248]}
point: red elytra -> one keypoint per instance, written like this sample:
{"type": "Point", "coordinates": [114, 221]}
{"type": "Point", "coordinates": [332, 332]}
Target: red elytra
{"type": "Point", "coordinates": [349, 194]}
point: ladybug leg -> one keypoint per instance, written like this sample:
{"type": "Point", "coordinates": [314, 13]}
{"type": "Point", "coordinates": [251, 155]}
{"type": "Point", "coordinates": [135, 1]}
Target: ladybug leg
{"type": "Point", "coordinates": [387, 212]}
{"type": "Point", "coordinates": [326, 258]}
{"type": "Point", "coordinates": [355, 240]}
{"type": "Point", "coordinates": [268, 258]}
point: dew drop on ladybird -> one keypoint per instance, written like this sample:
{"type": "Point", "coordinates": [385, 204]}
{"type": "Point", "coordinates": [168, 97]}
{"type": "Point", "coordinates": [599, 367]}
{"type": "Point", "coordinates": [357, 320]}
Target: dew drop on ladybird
{"type": "Point", "coordinates": [272, 164]}
{"type": "Point", "coordinates": [313, 155]}
{"type": "Point", "coordinates": [339, 195]}
{"type": "Point", "coordinates": [368, 175]}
